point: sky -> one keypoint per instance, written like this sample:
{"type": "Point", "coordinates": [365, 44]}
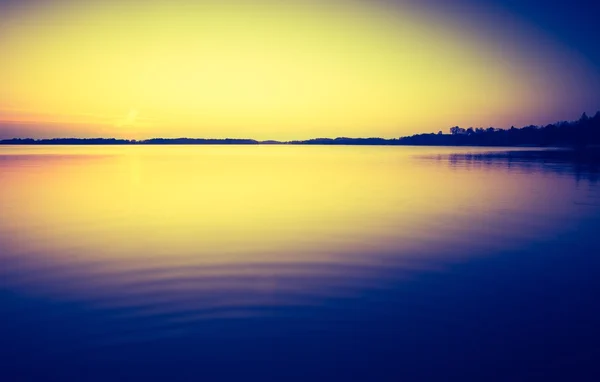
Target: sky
{"type": "Point", "coordinates": [294, 69]}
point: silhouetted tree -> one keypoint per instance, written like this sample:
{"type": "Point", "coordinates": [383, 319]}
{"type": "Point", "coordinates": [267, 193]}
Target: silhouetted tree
{"type": "Point", "coordinates": [457, 130]}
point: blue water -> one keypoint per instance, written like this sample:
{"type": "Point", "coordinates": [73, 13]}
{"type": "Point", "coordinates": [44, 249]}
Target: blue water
{"type": "Point", "coordinates": [412, 264]}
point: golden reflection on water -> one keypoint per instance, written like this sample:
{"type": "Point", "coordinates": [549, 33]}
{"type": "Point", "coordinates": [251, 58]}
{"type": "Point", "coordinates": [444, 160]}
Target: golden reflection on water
{"type": "Point", "coordinates": [177, 223]}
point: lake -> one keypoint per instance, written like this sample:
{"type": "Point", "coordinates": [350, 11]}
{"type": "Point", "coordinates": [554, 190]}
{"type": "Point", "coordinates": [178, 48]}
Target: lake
{"type": "Point", "coordinates": [298, 263]}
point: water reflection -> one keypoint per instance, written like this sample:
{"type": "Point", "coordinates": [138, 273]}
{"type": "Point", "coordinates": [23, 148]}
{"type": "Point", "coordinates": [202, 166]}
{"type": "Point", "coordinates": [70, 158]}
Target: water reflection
{"type": "Point", "coordinates": [583, 165]}
{"type": "Point", "coordinates": [113, 248]}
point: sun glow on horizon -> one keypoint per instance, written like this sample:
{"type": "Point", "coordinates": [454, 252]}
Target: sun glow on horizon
{"type": "Point", "coordinates": [270, 70]}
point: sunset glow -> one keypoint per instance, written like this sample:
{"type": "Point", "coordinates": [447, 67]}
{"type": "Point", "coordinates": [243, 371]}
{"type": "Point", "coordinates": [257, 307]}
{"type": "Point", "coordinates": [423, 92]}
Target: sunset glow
{"type": "Point", "coordinates": [276, 70]}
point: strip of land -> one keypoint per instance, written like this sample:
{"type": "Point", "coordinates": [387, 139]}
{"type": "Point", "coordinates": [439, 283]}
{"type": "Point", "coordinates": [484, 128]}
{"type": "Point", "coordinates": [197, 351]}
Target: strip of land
{"type": "Point", "coordinates": [583, 133]}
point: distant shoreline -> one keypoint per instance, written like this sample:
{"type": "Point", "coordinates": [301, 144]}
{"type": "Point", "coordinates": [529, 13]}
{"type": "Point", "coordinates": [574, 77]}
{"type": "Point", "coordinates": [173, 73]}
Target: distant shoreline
{"type": "Point", "coordinates": [583, 133]}
{"type": "Point", "coordinates": [83, 142]}
{"type": "Point", "coordinates": [235, 142]}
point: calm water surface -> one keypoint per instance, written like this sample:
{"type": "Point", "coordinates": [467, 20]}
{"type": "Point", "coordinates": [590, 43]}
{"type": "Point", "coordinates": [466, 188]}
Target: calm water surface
{"type": "Point", "coordinates": [297, 263]}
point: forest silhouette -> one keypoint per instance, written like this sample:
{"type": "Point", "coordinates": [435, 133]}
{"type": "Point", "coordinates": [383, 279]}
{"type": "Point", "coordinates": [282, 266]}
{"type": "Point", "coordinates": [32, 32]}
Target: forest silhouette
{"type": "Point", "coordinates": [579, 134]}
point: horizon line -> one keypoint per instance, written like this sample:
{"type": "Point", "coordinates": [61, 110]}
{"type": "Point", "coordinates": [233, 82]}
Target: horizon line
{"type": "Point", "coordinates": [440, 138]}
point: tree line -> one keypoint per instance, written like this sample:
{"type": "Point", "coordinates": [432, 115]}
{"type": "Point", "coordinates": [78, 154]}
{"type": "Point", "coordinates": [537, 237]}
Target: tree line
{"type": "Point", "coordinates": [584, 132]}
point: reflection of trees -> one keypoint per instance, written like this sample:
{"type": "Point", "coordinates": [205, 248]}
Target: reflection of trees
{"type": "Point", "coordinates": [580, 164]}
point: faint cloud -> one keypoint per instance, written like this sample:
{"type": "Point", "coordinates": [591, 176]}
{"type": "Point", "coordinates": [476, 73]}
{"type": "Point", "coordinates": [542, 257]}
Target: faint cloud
{"type": "Point", "coordinates": [15, 116]}
{"type": "Point", "coordinates": [26, 116]}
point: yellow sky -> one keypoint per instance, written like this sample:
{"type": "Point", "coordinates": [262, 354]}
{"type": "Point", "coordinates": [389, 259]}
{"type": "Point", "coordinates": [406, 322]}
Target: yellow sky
{"type": "Point", "coordinates": [273, 69]}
